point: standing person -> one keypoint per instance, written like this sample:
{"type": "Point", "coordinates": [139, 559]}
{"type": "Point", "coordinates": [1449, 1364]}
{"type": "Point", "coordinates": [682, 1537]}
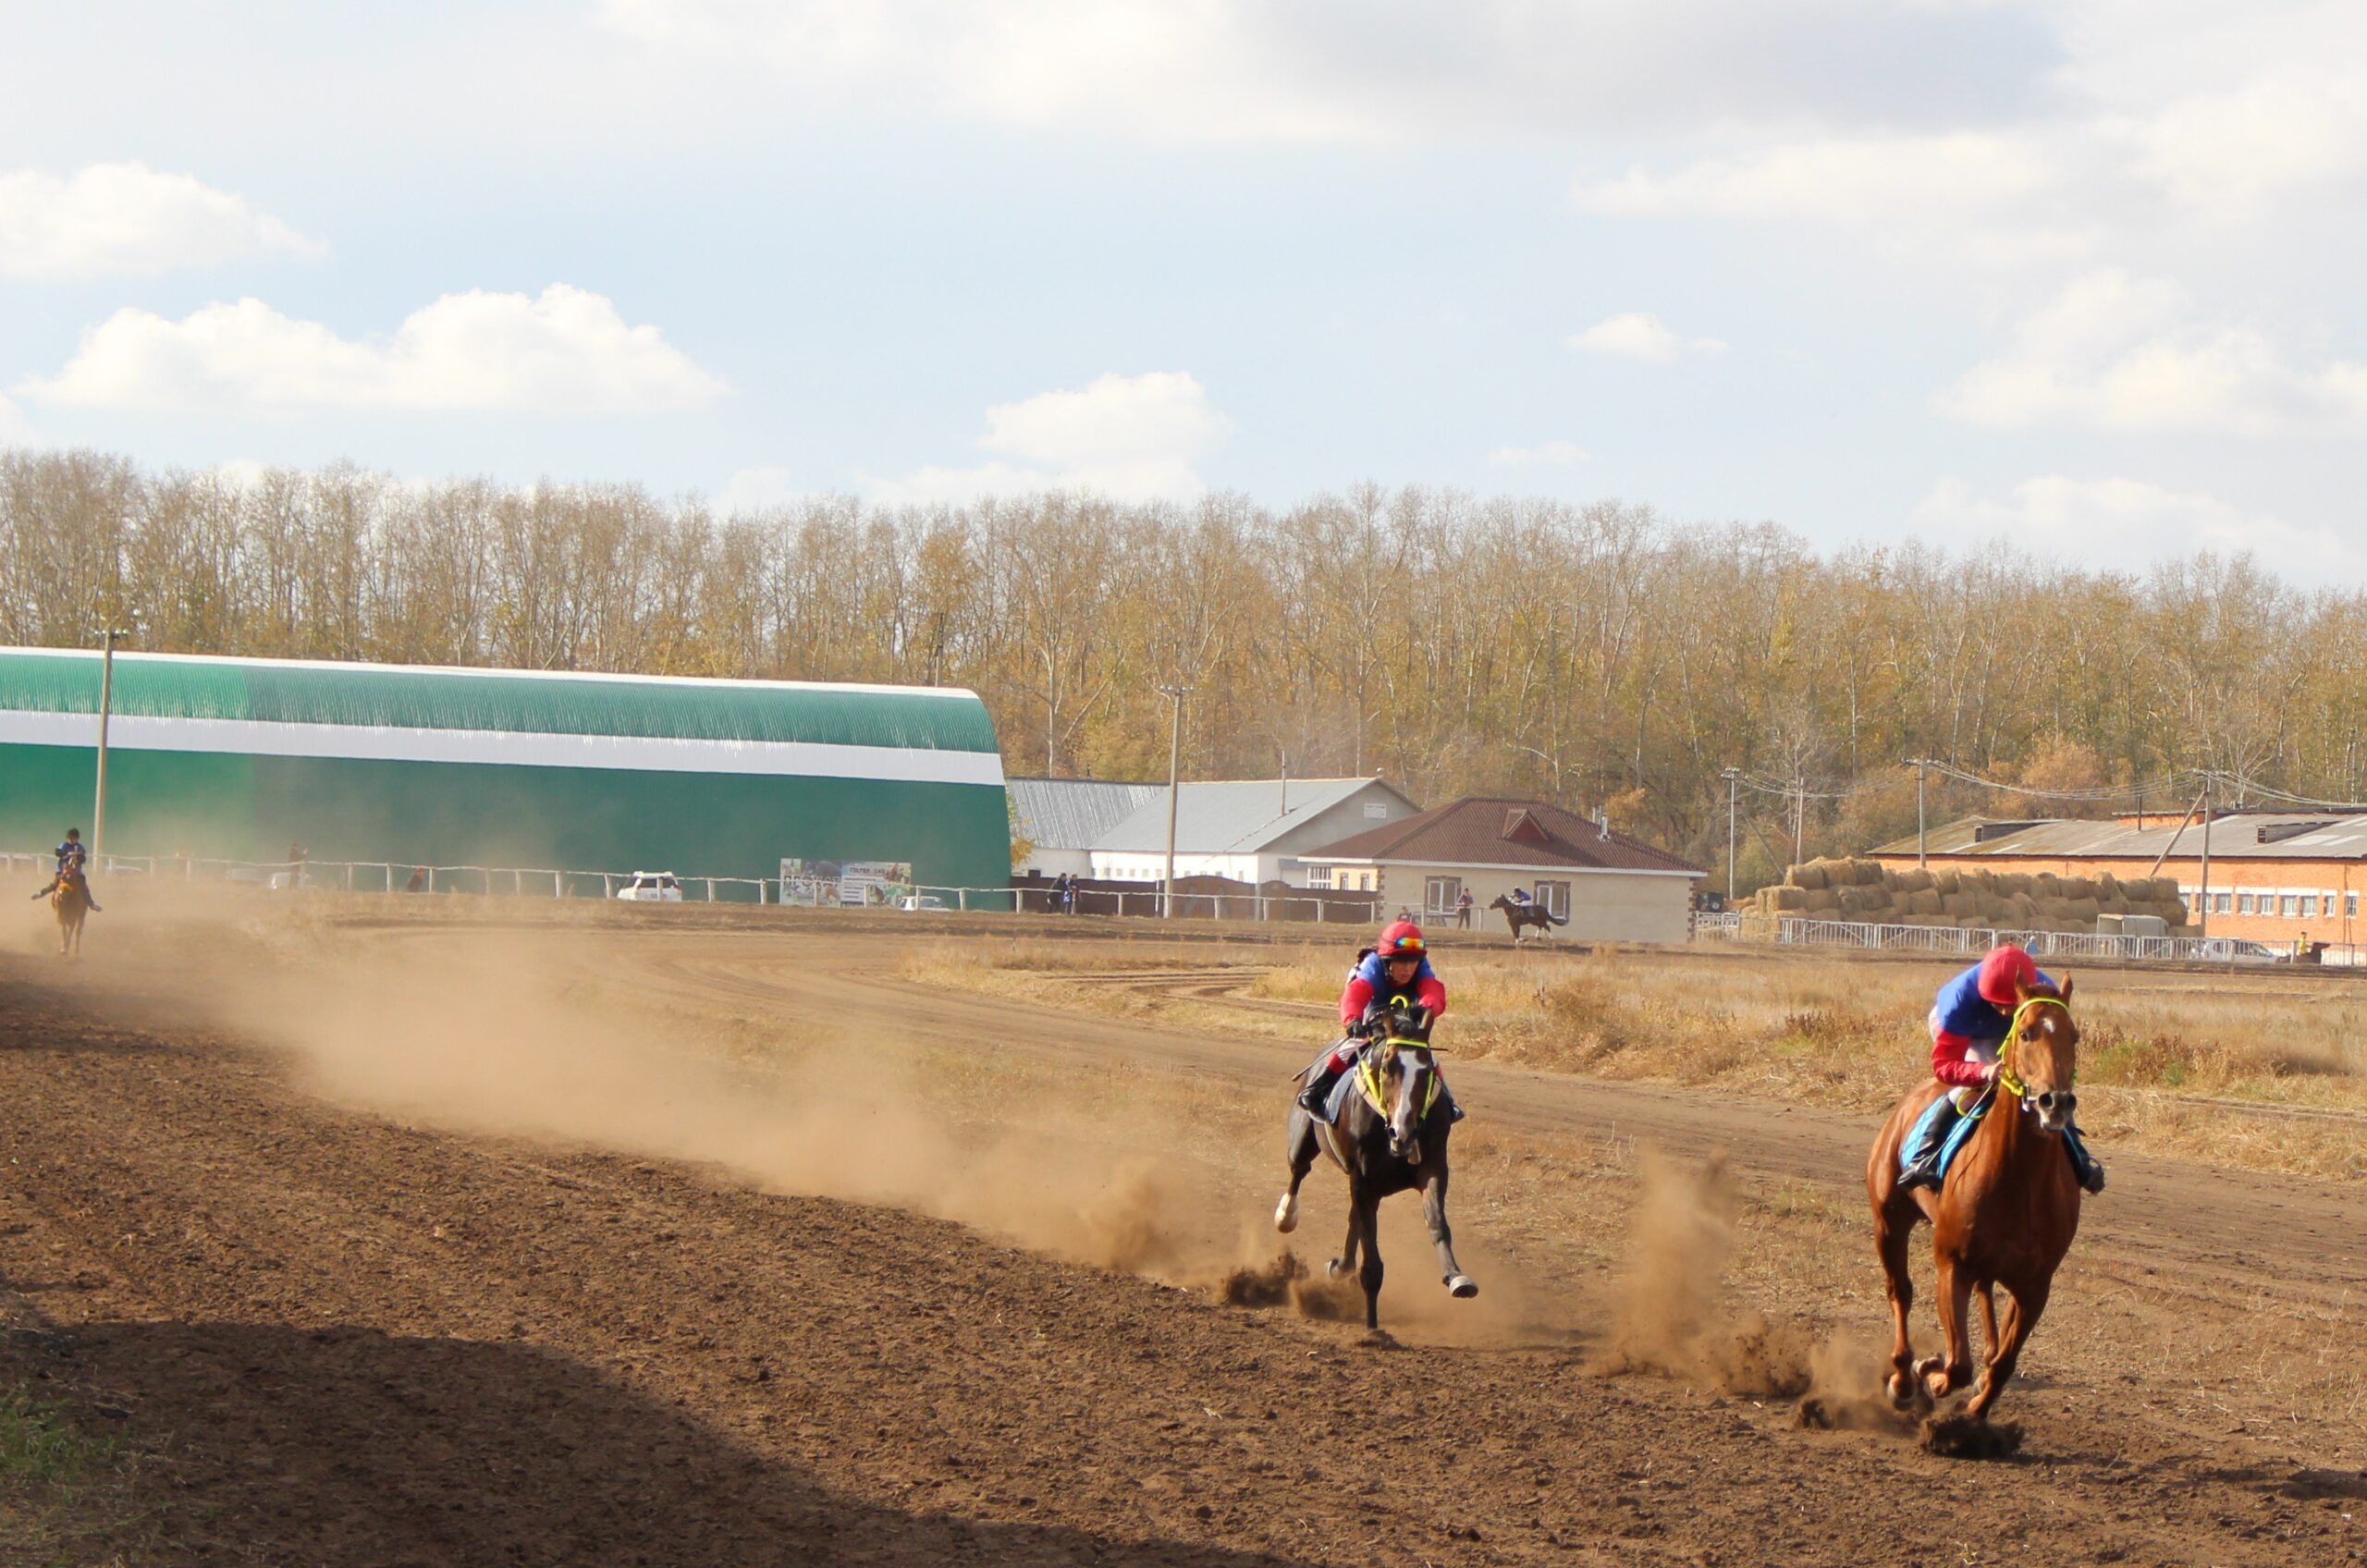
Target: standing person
{"type": "Point", "coordinates": [1463, 910]}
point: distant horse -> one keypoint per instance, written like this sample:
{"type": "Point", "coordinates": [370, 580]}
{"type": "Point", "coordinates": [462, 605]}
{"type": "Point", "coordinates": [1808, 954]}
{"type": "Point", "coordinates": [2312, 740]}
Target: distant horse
{"type": "Point", "coordinates": [2005, 1215]}
{"type": "Point", "coordinates": [69, 898]}
{"type": "Point", "coordinates": [1518, 915]}
{"type": "Point", "coordinates": [1383, 1153]}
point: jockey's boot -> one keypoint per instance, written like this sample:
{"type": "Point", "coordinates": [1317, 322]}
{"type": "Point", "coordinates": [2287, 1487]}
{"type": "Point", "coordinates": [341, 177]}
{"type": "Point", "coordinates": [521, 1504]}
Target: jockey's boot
{"type": "Point", "coordinates": [1922, 1160]}
{"type": "Point", "coordinates": [2090, 1170]}
{"type": "Point", "coordinates": [1454, 1105]}
{"type": "Point", "coordinates": [1314, 1099]}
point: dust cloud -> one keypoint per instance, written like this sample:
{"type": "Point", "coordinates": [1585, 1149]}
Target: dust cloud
{"type": "Point", "coordinates": [1669, 1315]}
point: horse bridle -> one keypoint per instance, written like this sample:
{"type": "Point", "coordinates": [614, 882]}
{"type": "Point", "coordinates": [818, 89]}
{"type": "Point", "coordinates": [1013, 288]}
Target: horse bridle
{"type": "Point", "coordinates": [2007, 1079]}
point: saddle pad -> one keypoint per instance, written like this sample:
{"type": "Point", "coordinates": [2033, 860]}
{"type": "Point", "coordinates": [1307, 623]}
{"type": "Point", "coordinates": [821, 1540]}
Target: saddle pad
{"type": "Point", "coordinates": [1957, 1134]}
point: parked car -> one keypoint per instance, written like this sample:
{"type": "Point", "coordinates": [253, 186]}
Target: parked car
{"type": "Point", "coordinates": [921, 900]}
{"type": "Point", "coordinates": [652, 888]}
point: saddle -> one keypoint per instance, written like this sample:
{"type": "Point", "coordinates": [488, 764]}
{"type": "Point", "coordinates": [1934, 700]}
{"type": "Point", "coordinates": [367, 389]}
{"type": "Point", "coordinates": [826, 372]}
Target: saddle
{"type": "Point", "coordinates": [1967, 1120]}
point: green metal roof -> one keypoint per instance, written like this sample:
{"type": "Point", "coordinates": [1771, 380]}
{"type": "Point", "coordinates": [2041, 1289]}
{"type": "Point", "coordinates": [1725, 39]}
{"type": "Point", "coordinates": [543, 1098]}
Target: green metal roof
{"type": "Point", "coordinates": [405, 698]}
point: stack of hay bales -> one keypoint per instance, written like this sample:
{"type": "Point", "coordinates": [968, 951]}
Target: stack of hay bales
{"type": "Point", "coordinates": [1969, 899]}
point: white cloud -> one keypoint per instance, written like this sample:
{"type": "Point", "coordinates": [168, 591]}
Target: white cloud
{"type": "Point", "coordinates": [1852, 181]}
{"type": "Point", "coordinates": [755, 490]}
{"type": "Point", "coordinates": [566, 350]}
{"type": "Point", "coordinates": [129, 218]}
{"type": "Point", "coordinates": [1128, 438]}
{"type": "Point", "coordinates": [2119, 353]}
{"type": "Point", "coordinates": [2126, 524]}
{"type": "Point", "coordinates": [15, 429]}
{"type": "Point", "coordinates": [1553, 454]}
{"type": "Point", "coordinates": [1638, 335]}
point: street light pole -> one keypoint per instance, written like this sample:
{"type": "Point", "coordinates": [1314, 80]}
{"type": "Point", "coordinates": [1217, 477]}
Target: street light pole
{"type": "Point", "coordinates": [1919, 763]}
{"type": "Point", "coordinates": [1174, 695]}
{"type": "Point", "coordinates": [107, 707]}
{"type": "Point", "coordinates": [1732, 776]}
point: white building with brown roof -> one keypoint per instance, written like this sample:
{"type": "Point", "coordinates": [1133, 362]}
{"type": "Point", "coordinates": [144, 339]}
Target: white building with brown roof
{"type": "Point", "coordinates": [1610, 888]}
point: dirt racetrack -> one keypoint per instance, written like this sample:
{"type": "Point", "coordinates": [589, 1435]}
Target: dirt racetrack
{"type": "Point", "coordinates": [591, 1238]}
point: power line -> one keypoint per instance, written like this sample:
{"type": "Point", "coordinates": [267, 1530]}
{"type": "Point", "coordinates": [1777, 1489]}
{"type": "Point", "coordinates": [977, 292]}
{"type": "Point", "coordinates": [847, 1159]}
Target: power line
{"type": "Point", "coordinates": [2098, 792]}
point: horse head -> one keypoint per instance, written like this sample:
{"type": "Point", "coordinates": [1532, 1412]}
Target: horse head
{"type": "Point", "coordinates": [2043, 1053]}
{"type": "Point", "coordinates": [1408, 1074]}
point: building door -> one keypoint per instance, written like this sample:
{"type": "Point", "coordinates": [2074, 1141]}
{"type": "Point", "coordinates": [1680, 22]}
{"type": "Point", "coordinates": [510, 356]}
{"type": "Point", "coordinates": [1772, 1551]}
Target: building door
{"type": "Point", "coordinates": [1439, 894]}
{"type": "Point", "coordinates": [1555, 897]}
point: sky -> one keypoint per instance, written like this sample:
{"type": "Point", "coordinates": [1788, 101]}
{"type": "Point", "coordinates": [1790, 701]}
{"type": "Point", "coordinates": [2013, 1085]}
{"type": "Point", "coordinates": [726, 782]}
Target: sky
{"type": "Point", "coordinates": [2081, 276]}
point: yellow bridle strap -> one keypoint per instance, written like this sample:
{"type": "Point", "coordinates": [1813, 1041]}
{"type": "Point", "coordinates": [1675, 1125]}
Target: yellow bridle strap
{"type": "Point", "coordinates": [2007, 1079]}
{"type": "Point", "coordinates": [1368, 1074]}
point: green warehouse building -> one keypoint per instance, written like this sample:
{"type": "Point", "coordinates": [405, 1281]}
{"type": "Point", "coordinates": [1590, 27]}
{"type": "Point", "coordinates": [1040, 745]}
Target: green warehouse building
{"type": "Point", "coordinates": [236, 758]}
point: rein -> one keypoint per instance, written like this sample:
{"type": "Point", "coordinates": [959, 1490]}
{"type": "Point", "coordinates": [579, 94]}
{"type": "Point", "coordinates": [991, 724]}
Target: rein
{"type": "Point", "coordinates": [2007, 1079]}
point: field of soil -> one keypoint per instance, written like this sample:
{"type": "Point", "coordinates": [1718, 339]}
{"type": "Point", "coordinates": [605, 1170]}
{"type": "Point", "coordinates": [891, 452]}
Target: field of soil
{"type": "Point", "coordinates": [447, 1232]}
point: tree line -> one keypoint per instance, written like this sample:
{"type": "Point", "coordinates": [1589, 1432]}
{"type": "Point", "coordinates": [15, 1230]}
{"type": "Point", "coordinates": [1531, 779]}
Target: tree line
{"type": "Point", "coordinates": [1601, 656]}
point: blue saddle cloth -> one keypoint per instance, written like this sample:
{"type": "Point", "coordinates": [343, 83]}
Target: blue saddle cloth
{"type": "Point", "coordinates": [1344, 1089]}
{"type": "Point", "coordinates": [1957, 1134]}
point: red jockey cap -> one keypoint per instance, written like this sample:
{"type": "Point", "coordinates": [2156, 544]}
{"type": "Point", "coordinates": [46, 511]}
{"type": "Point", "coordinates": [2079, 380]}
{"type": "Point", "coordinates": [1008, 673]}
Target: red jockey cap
{"type": "Point", "coordinates": [2003, 973]}
{"type": "Point", "coordinates": [1401, 938]}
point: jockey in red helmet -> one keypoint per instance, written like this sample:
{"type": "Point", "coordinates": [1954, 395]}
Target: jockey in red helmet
{"type": "Point", "coordinates": [1969, 1020]}
{"type": "Point", "coordinates": [1399, 965]}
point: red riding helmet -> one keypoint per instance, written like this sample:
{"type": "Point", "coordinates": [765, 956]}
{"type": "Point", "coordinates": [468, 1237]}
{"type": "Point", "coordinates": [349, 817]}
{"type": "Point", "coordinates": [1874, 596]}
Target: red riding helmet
{"type": "Point", "coordinates": [2002, 975]}
{"type": "Point", "coordinates": [1401, 938]}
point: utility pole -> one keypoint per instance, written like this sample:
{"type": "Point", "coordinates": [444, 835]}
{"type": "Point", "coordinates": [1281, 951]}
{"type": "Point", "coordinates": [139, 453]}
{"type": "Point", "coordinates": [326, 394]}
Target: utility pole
{"type": "Point", "coordinates": [106, 705]}
{"type": "Point", "coordinates": [1799, 815]}
{"type": "Point", "coordinates": [1732, 776]}
{"type": "Point", "coordinates": [1918, 764]}
{"type": "Point", "coordinates": [2202, 894]}
{"type": "Point", "coordinates": [1174, 695]}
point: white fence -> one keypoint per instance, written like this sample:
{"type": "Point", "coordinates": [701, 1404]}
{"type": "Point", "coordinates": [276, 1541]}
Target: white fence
{"type": "Point", "coordinates": [400, 876]}
{"type": "Point", "coordinates": [1953, 941]}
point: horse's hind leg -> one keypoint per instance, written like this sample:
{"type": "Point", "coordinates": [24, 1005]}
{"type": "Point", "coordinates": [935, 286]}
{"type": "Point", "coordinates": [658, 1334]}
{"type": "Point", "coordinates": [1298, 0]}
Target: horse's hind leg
{"type": "Point", "coordinates": [1988, 1289]}
{"type": "Point", "coordinates": [1892, 1235]}
{"type": "Point", "coordinates": [1458, 1284]}
{"type": "Point", "coordinates": [1298, 1150]}
{"type": "Point", "coordinates": [2021, 1316]}
{"type": "Point", "coordinates": [1340, 1266]}
{"type": "Point", "coordinates": [1942, 1377]}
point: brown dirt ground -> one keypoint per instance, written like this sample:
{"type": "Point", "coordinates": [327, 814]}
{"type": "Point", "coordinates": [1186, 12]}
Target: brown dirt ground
{"type": "Point", "coordinates": [392, 1240]}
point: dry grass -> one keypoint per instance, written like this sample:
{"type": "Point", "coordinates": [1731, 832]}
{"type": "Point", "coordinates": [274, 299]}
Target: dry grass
{"type": "Point", "coordinates": [1837, 1033]}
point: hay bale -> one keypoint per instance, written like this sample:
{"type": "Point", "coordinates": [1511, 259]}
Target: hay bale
{"type": "Point", "coordinates": [2046, 884]}
{"type": "Point", "coordinates": [2083, 910]}
{"type": "Point", "coordinates": [2016, 882]}
{"type": "Point", "coordinates": [1915, 880]}
{"type": "Point", "coordinates": [2079, 887]}
{"type": "Point", "coordinates": [1923, 901]}
{"type": "Point", "coordinates": [1948, 879]}
{"type": "Point", "coordinates": [1869, 872]}
{"type": "Point", "coordinates": [1809, 877]}
{"type": "Point", "coordinates": [1790, 900]}
{"type": "Point", "coordinates": [1819, 900]}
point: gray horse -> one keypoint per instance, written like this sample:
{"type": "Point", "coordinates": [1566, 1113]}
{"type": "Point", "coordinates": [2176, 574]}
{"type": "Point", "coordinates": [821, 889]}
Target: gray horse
{"type": "Point", "coordinates": [1383, 1153]}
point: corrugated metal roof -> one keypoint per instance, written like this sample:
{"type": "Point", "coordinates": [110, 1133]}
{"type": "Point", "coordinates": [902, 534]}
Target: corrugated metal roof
{"type": "Point", "coordinates": [1242, 816]}
{"type": "Point", "coordinates": [2297, 836]}
{"type": "Point", "coordinates": [1071, 814]}
{"type": "Point", "coordinates": [66, 680]}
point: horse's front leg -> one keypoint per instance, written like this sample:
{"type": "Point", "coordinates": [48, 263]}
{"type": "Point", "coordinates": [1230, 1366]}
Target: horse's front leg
{"type": "Point", "coordinates": [2021, 1316]}
{"type": "Point", "coordinates": [1369, 1220]}
{"type": "Point", "coordinates": [1343, 1266]}
{"type": "Point", "coordinates": [1299, 1151]}
{"type": "Point", "coordinates": [1459, 1285]}
{"type": "Point", "coordinates": [1988, 1289]}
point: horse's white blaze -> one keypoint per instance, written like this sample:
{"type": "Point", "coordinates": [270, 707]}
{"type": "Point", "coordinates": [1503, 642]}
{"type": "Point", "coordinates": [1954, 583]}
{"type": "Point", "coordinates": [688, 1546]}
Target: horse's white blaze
{"type": "Point", "coordinates": [1286, 1214]}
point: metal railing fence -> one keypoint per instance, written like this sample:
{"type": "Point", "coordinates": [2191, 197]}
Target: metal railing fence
{"type": "Point", "coordinates": [1958, 941]}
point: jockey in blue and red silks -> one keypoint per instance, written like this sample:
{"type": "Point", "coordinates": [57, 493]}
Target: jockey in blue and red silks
{"type": "Point", "coordinates": [1969, 1020]}
{"type": "Point", "coordinates": [1399, 966]}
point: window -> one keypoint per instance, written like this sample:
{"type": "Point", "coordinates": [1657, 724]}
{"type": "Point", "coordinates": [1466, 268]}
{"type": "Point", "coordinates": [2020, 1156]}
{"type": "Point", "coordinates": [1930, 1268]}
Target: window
{"type": "Point", "coordinates": [2223, 904]}
{"type": "Point", "coordinates": [1318, 876]}
{"type": "Point", "coordinates": [1439, 894]}
{"type": "Point", "coordinates": [2243, 903]}
{"type": "Point", "coordinates": [1555, 897]}
{"type": "Point", "coordinates": [1376, 811]}
{"type": "Point", "coordinates": [2350, 906]}
{"type": "Point", "coordinates": [2288, 906]}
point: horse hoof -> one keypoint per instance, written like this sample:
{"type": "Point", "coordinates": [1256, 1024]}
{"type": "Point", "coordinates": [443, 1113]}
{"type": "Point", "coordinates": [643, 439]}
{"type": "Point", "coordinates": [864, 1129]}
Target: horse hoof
{"type": "Point", "coordinates": [1462, 1287]}
{"type": "Point", "coordinates": [1286, 1214]}
{"type": "Point", "coordinates": [1335, 1269]}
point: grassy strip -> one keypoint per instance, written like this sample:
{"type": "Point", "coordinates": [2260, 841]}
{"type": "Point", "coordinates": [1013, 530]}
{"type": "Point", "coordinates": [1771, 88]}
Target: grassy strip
{"type": "Point", "coordinates": [1833, 1034]}
{"type": "Point", "coordinates": [65, 1495]}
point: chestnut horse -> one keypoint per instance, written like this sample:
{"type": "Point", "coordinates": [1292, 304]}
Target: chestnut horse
{"type": "Point", "coordinates": [2005, 1215]}
{"type": "Point", "coordinates": [1384, 1152]}
{"type": "Point", "coordinates": [70, 899]}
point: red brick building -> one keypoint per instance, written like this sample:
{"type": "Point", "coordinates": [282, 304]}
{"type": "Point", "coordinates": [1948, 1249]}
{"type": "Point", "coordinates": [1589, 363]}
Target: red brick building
{"type": "Point", "coordinates": [2278, 878]}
